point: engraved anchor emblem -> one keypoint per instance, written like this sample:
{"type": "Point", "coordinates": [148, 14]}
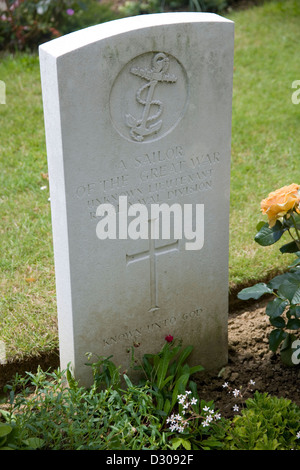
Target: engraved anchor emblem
{"type": "Point", "coordinates": [158, 73]}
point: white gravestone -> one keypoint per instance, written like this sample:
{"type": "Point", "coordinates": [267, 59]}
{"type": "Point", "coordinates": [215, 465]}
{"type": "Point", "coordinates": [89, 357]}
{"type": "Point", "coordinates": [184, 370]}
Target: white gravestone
{"type": "Point", "coordinates": [138, 111]}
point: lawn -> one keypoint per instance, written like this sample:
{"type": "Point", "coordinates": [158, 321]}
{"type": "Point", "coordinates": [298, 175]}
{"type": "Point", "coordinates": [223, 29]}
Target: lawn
{"type": "Point", "coordinates": [265, 156]}
{"type": "Point", "coordinates": [265, 128]}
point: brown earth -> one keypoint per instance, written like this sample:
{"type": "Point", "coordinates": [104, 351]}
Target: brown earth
{"type": "Point", "coordinates": [250, 359]}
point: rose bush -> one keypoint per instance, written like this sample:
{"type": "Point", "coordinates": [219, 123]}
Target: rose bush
{"type": "Point", "coordinates": [283, 210]}
{"type": "Point", "coordinates": [281, 203]}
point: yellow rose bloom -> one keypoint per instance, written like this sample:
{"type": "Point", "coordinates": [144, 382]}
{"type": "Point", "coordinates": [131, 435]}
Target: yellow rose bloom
{"type": "Point", "coordinates": [280, 202]}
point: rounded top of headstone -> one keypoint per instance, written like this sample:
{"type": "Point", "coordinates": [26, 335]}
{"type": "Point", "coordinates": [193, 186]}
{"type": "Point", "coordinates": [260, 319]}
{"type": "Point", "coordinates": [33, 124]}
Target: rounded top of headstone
{"type": "Point", "coordinates": [72, 41]}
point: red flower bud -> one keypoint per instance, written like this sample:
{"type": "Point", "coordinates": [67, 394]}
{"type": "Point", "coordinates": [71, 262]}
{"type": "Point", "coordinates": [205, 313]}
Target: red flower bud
{"type": "Point", "coordinates": [169, 338]}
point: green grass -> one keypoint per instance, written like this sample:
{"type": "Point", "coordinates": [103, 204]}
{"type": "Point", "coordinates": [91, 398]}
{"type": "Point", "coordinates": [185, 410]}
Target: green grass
{"type": "Point", "coordinates": [265, 156]}
{"type": "Point", "coordinates": [28, 311]}
{"type": "Point", "coordinates": [265, 128]}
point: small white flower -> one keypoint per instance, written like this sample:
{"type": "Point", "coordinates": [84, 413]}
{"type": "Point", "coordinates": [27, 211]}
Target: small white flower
{"type": "Point", "coordinates": [181, 400]}
{"type": "Point", "coordinates": [236, 392]}
{"type": "Point", "coordinates": [205, 423]}
{"type": "Point", "coordinates": [235, 408]}
{"type": "Point", "coordinates": [43, 187]}
{"type": "Point", "coordinates": [206, 408]}
{"type": "Point", "coordinates": [298, 435]}
{"type": "Point", "coordinates": [225, 385]}
{"type": "Point", "coordinates": [178, 417]}
{"type": "Point", "coordinates": [188, 392]}
{"type": "Point", "coordinates": [209, 418]}
{"type": "Point", "coordinates": [194, 401]}
{"type": "Point", "coordinates": [252, 382]}
{"type": "Point", "coordinates": [217, 416]}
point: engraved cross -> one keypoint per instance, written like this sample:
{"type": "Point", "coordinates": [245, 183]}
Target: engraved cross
{"type": "Point", "coordinates": [151, 253]}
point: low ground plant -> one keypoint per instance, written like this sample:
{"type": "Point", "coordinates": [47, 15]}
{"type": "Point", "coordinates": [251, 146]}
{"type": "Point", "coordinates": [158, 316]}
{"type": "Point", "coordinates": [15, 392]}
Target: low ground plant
{"type": "Point", "coordinates": [10, 438]}
{"type": "Point", "coordinates": [266, 423]}
{"type": "Point", "coordinates": [51, 411]}
{"type": "Point", "coordinates": [65, 416]}
{"type": "Point", "coordinates": [168, 373]}
{"type": "Point", "coordinates": [198, 425]}
{"type": "Point", "coordinates": [113, 413]}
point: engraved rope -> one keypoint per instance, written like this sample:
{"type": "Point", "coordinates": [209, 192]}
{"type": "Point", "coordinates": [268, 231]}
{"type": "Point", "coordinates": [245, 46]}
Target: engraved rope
{"type": "Point", "coordinates": [140, 128]}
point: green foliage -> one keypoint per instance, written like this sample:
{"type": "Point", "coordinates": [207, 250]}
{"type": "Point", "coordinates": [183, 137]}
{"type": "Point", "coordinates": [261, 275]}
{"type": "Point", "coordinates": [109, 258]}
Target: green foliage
{"type": "Point", "coordinates": [50, 411]}
{"type": "Point", "coordinates": [214, 6]}
{"type": "Point", "coordinates": [10, 438]}
{"type": "Point", "coordinates": [139, 7]}
{"type": "Point", "coordinates": [82, 419]}
{"type": "Point", "coordinates": [284, 310]}
{"type": "Point", "coordinates": [267, 423]}
{"type": "Point", "coordinates": [168, 374]}
{"type": "Point", "coordinates": [198, 424]}
{"type": "Point", "coordinates": [112, 414]}
{"type": "Point", "coordinates": [26, 24]}
{"type": "Point", "coordinates": [7, 436]}
{"type": "Point", "coordinates": [88, 13]}
{"type": "Point", "coordinates": [136, 7]}
{"type": "Point", "coordinates": [105, 373]}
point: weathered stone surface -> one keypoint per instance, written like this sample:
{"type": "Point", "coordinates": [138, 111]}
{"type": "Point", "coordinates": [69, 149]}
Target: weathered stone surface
{"type": "Point", "coordinates": [140, 107]}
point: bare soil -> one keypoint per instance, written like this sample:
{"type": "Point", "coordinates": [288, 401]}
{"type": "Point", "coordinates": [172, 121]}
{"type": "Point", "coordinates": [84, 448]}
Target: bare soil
{"type": "Point", "coordinates": [250, 359]}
